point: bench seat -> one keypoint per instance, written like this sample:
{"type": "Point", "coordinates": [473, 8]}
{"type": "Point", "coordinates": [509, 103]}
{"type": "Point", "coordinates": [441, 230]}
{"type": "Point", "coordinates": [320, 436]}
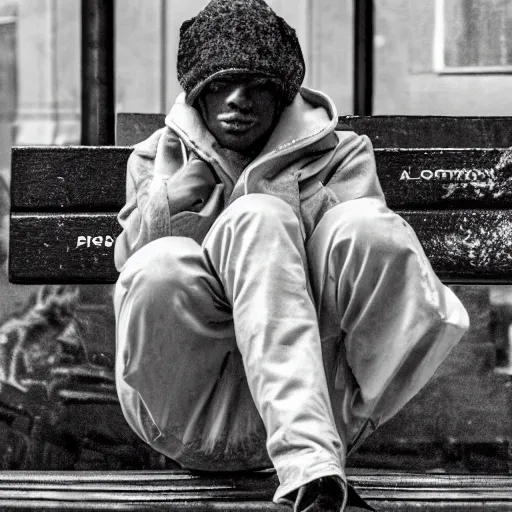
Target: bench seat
{"type": "Point", "coordinates": [183, 491]}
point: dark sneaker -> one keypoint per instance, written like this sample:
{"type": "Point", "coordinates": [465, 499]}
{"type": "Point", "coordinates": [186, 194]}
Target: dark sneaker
{"type": "Point", "coordinates": [327, 494]}
{"type": "Point", "coordinates": [355, 502]}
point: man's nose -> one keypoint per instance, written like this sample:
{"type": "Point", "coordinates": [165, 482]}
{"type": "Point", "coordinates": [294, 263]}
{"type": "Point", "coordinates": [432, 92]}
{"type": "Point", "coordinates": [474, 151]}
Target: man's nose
{"type": "Point", "coordinates": [239, 97]}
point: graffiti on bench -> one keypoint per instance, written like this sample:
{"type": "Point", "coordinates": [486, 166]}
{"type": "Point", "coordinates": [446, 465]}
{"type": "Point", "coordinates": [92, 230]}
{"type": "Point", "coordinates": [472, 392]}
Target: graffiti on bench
{"type": "Point", "coordinates": [447, 175]}
{"type": "Point", "coordinates": [96, 241]}
{"type": "Point", "coordinates": [491, 183]}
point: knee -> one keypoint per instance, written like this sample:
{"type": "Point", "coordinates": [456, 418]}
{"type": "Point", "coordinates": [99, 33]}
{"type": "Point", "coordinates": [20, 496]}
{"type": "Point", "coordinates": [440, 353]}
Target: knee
{"type": "Point", "coordinates": [369, 226]}
{"type": "Point", "coordinates": [161, 263]}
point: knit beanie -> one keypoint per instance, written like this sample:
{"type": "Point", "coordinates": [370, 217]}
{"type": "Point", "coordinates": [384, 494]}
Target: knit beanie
{"type": "Point", "coordinates": [239, 36]}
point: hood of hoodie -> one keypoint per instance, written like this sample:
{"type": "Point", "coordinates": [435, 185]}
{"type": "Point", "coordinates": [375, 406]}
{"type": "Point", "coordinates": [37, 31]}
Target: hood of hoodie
{"type": "Point", "coordinates": [310, 118]}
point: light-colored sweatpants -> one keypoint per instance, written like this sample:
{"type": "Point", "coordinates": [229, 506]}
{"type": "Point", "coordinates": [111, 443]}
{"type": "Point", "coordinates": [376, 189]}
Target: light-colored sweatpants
{"type": "Point", "coordinates": [254, 349]}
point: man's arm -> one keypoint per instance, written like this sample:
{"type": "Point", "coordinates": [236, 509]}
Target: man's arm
{"type": "Point", "coordinates": [162, 182]}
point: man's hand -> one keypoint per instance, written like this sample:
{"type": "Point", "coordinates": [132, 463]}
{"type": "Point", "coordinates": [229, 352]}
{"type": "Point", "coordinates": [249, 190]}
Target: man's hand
{"type": "Point", "coordinates": [189, 186]}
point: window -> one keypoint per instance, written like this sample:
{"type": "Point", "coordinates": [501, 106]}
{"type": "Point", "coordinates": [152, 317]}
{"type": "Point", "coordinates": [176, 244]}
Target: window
{"type": "Point", "coordinates": [473, 36]}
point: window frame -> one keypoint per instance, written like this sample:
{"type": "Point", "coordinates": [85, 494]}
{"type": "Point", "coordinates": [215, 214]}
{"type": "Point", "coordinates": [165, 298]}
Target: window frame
{"type": "Point", "coordinates": [439, 46]}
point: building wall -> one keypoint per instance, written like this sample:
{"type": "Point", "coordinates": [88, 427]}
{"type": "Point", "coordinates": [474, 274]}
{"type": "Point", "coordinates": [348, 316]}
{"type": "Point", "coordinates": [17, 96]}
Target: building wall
{"type": "Point", "coordinates": [48, 71]}
{"type": "Point", "coordinates": [48, 40]}
{"type": "Point", "coordinates": [147, 44]}
{"type": "Point", "coordinates": [7, 85]}
{"type": "Point", "coordinates": [405, 79]}
{"type": "Point", "coordinates": [48, 74]}
{"type": "Point", "coordinates": [147, 32]}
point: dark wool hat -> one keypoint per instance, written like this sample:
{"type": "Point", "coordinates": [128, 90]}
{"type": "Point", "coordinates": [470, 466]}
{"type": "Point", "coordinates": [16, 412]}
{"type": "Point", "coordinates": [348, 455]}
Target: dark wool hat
{"type": "Point", "coordinates": [239, 36]}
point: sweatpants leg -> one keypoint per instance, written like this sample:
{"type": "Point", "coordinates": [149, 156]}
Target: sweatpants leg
{"type": "Point", "coordinates": [386, 320]}
{"type": "Point", "coordinates": [257, 251]}
{"type": "Point", "coordinates": [179, 374]}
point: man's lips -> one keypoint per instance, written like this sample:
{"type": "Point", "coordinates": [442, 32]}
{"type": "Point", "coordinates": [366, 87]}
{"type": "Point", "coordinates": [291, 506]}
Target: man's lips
{"type": "Point", "coordinates": [237, 118]}
{"type": "Point", "coordinates": [236, 123]}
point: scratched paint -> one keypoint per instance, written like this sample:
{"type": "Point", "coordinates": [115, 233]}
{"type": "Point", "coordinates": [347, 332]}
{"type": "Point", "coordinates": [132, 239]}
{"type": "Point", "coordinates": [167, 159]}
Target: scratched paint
{"type": "Point", "coordinates": [447, 175]}
{"type": "Point", "coordinates": [479, 242]}
{"type": "Point", "coordinates": [493, 183]}
{"type": "Point", "coordinates": [482, 183]}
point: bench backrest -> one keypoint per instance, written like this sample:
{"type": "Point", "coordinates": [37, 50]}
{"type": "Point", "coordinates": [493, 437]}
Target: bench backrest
{"type": "Point", "coordinates": [446, 176]}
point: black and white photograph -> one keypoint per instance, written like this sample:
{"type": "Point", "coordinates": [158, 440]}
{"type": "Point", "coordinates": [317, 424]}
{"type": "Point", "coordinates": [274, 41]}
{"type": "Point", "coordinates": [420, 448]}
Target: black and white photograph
{"type": "Point", "coordinates": [256, 255]}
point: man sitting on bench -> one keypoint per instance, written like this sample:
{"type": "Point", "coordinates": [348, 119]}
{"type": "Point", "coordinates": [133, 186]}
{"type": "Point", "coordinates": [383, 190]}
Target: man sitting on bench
{"type": "Point", "coordinates": [271, 310]}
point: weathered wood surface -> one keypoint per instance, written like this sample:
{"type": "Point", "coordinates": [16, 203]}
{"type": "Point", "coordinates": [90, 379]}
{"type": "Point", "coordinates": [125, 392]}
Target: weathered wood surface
{"type": "Point", "coordinates": [432, 131]}
{"type": "Point", "coordinates": [462, 245]}
{"type": "Point", "coordinates": [68, 178]}
{"type": "Point", "coordinates": [48, 248]}
{"type": "Point", "coordinates": [93, 178]}
{"type": "Point", "coordinates": [180, 490]}
{"type": "Point", "coordinates": [385, 131]}
{"type": "Point", "coordinates": [437, 178]}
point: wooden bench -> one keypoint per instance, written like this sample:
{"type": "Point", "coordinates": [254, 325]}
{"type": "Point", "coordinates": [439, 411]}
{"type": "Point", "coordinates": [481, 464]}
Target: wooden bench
{"type": "Point", "coordinates": [446, 176]}
{"type": "Point", "coordinates": [64, 200]}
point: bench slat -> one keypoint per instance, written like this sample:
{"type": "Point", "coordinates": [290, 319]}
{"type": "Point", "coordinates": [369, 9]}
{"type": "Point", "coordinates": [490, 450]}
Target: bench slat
{"type": "Point", "coordinates": [44, 248]}
{"type": "Point", "coordinates": [68, 178]}
{"type": "Point", "coordinates": [463, 246]}
{"type": "Point", "coordinates": [93, 178]}
{"type": "Point", "coordinates": [179, 490]}
{"type": "Point", "coordinates": [431, 131]}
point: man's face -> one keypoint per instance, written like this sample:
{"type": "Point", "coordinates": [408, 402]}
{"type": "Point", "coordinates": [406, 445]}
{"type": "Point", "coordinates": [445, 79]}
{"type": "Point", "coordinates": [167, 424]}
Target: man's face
{"type": "Point", "coordinates": [240, 111]}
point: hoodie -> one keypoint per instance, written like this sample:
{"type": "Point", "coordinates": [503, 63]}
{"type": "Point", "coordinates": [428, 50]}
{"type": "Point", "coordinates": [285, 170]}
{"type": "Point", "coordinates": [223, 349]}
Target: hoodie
{"type": "Point", "coordinates": [305, 162]}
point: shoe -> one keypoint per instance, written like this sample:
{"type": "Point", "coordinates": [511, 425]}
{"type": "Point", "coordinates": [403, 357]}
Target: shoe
{"type": "Point", "coordinates": [354, 501]}
{"type": "Point", "coordinates": [326, 494]}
